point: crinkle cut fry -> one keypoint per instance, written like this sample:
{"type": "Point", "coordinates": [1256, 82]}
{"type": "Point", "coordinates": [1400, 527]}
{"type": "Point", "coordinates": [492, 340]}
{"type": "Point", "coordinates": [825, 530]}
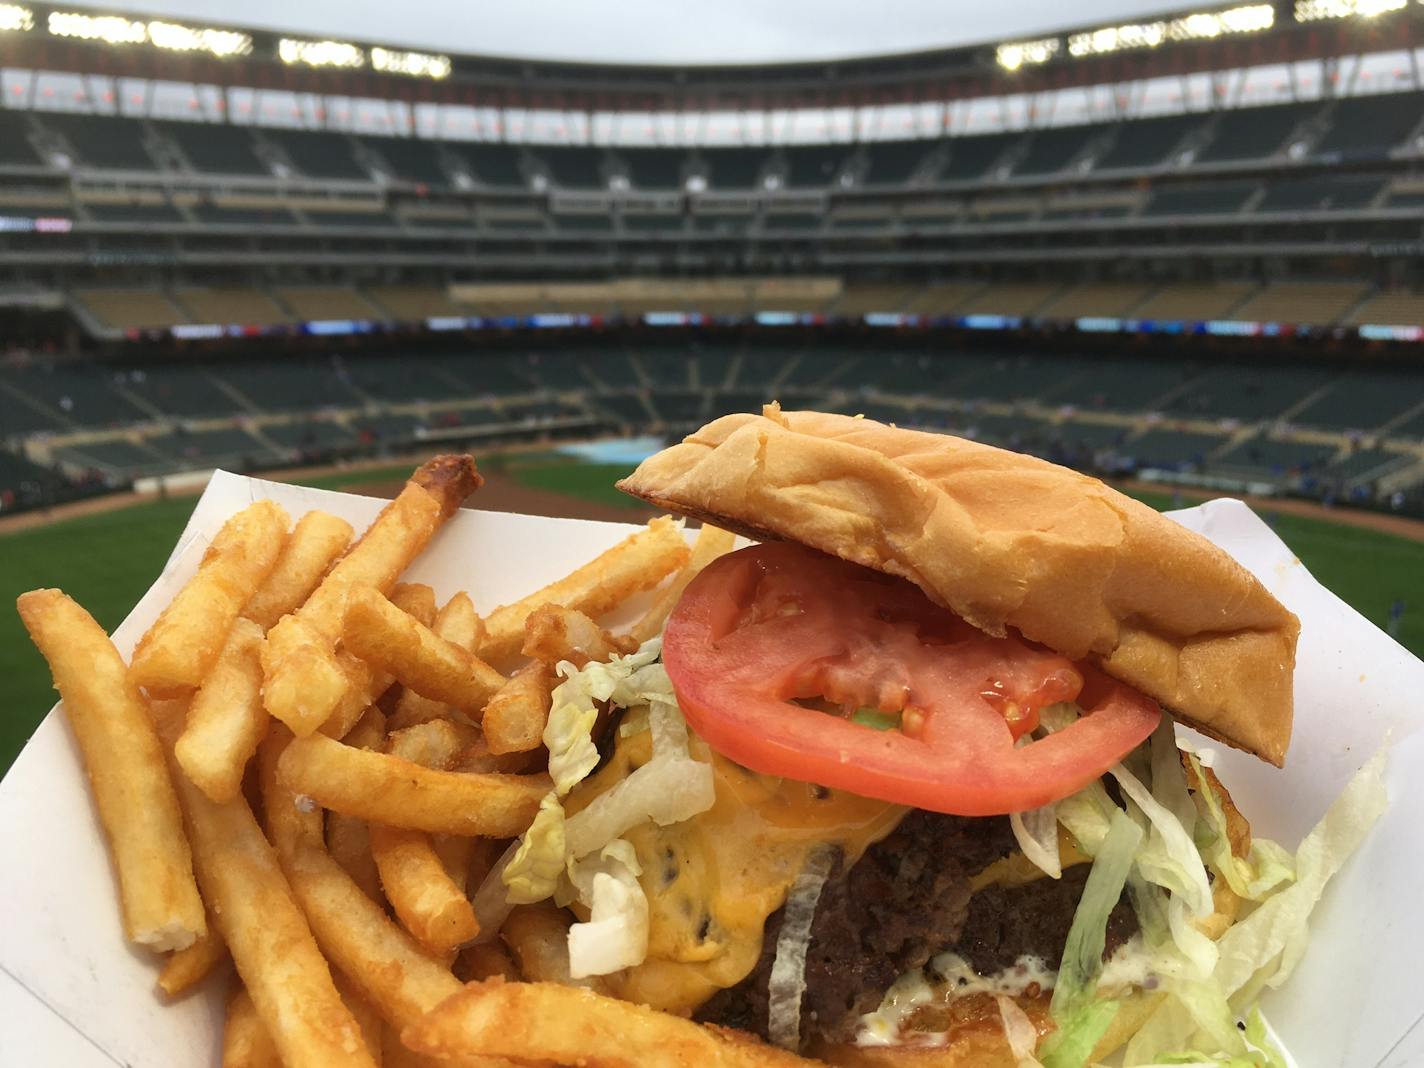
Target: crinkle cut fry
{"type": "Point", "coordinates": [570, 1025]}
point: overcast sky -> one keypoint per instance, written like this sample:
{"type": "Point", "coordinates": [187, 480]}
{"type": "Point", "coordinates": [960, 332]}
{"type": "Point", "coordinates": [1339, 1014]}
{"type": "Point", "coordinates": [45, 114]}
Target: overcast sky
{"type": "Point", "coordinates": [660, 31]}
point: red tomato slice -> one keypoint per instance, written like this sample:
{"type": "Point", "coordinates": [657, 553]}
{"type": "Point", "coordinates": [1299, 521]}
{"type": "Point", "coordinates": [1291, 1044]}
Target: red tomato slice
{"type": "Point", "coordinates": [761, 628]}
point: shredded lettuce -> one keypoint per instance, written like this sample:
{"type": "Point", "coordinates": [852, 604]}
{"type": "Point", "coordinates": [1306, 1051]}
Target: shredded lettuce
{"type": "Point", "coordinates": [663, 791]}
{"type": "Point", "coordinates": [1037, 834]}
{"type": "Point", "coordinates": [1263, 948]}
{"type": "Point", "coordinates": [1169, 856]}
{"type": "Point", "coordinates": [1019, 1032]}
{"type": "Point", "coordinates": [1080, 1017]}
{"type": "Point", "coordinates": [616, 934]}
{"type": "Point", "coordinates": [538, 863]}
{"type": "Point", "coordinates": [1268, 866]}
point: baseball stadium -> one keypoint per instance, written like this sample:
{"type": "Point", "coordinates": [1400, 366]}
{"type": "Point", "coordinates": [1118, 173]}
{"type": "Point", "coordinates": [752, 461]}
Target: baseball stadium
{"type": "Point", "coordinates": [1182, 253]}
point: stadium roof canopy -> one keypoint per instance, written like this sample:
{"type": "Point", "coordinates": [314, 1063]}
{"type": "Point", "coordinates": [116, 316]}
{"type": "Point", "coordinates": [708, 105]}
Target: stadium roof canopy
{"type": "Point", "coordinates": [157, 48]}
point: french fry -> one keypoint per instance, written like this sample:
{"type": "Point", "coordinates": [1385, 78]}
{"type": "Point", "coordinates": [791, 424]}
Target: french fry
{"type": "Point", "coordinates": [389, 640]}
{"type": "Point", "coordinates": [456, 853]}
{"type": "Point", "coordinates": [186, 968]}
{"type": "Point", "coordinates": [347, 838]}
{"type": "Point", "coordinates": [478, 759]}
{"type": "Point", "coordinates": [399, 533]}
{"type": "Point", "coordinates": [316, 541]}
{"type": "Point", "coordinates": [538, 936]}
{"type": "Point", "coordinates": [485, 961]}
{"type": "Point", "coordinates": [711, 543]}
{"type": "Point", "coordinates": [570, 1025]}
{"type": "Point", "coordinates": [226, 719]}
{"type": "Point", "coordinates": [437, 743]}
{"type": "Point", "coordinates": [246, 1040]}
{"type": "Point", "coordinates": [367, 1018]}
{"type": "Point", "coordinates": [416, 600]}
{"type": "Point", "coordinates": [459, 624]}
{"type": "Point", "coordinates": [180, 647]}
{"type": "Point", "coordinates": [515, 716]}
{"type": "Point", "coordinates": [303, 680]}
{"type": "Point", "coordinates": [553, 633]}
{"type": "Point", "coordinates": [637, 563]}
{"type": "Point", "coordinates": [124, 760]}
{"type": "Point", "coordinates": [270, 941]}
{"type": "Point", "coordinates": [427, 901]}
{"type": "Point", "coordinates": [393, 972]}
{"type": "Point", "coordinates": [386, 789]}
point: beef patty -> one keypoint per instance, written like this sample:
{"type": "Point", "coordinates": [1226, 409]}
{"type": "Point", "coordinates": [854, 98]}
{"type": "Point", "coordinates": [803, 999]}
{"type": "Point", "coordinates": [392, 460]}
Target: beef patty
{"type": "Point", "coordinates": [908, 899]}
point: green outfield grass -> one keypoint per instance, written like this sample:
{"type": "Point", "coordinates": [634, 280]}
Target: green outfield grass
{"type": "Point", "coordinates": [106, 561]}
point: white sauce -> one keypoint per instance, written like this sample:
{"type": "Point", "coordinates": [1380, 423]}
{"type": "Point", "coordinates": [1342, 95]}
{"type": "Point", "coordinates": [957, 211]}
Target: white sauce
{"type": "Point", "coordinates": [1129, 967]}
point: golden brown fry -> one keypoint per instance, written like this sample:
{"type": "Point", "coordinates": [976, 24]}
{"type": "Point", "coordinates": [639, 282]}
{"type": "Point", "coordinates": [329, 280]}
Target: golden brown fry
{"type": "Point", "coordinates": [367, 1018]}
{"type": "Point", "coordinates": [639, 562]}
{"type": "Point", "coordinates": [386, 789]}
{"type": "Point", "coordinates": [711, 543]}
{"type": "Point", "coordinates": [399, 978]}
{"type": "Point", "coordinates": [515, 717]}
{"type": "Point", "coordinates": [130, 780]}
{"type": "Point", "coordinates": [183, 642]}
{"type": "Point", "coordinates": [434, 744]}
{"type": "Point", "coordinates": [553, 633]}
{"type": "Point", "coordinates": [370, 731]}
{"type": "Point", "coordinates": [305, 692]}
{"type": "Point", "coordinates": [226, 720]}
{"type": "Point", "coordinates": [458, 624]}
{"type": "Point", "coordinates": [485, 961]}
{"type": "Point", "coordinates": [389, 640]}
{"type": "Point", "coordinates": [186, 968]}
{"type": "Point", "coordinates": [456, 852]}
{"type": "Point", "coordinates": [570, 1025]}
{"type": "Point", "coordinates": [246, 1040]}
{"type": "Point", "coordinates": [347, 837]}
{"type": "Point", "coordinates": [416, 600]}
{"type": "Point", "coordinates": [304, 681]}
{"type": "Point", "coordinates": [397, 536]}
{"type": "Point", "coordinates": [427, 901]}
{"type": "Point", "coordinates": [268, 936]}
{"type": "Point", "coordinates": [538, 936]}
{"type": "Point", "coordinates": [317, 540]}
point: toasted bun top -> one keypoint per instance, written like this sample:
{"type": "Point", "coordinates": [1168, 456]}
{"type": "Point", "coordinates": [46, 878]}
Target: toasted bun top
{"type": "Point", "coordinates": [1005, 540]}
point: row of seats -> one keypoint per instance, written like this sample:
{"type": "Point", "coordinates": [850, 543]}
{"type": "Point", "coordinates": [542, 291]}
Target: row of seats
{"type": "Point", "coordinates": [1288, 196]}
{"type": "Point", "coordinates": [1349, 303]}
{"type": "Point", "coordinates": [48, 398]}
{"type": "Point", "coordinates": [1354, 129]}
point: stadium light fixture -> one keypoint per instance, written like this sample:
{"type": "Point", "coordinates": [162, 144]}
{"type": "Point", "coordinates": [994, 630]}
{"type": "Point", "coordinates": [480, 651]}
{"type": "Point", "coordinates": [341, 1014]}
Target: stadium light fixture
{"type": "Point", "coordinates": [296, 52]}
{"type": "Point", "coordinates": [1316, 10]}
{"type": "Point", "coordinates": [411, 64]}
{"type": "Point", "coordinates": [16, 19]}
{"type": "Point", "coordinates": [1198, 26]}
{"type": "Point", "coordinates": [1026, 53]}
{"type": "Point", "coordinates": [174, 37]}
{"type": "Point", "coordinates": [111, 29]}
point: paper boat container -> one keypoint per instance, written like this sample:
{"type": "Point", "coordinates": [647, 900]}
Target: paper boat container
{"type": "Point", "coordinates": [73, 992]}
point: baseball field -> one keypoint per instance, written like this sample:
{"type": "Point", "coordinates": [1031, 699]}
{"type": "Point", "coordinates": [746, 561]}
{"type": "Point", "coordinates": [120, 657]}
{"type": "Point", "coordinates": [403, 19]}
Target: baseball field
{"type": "Point", "coordinates": [106, 555]}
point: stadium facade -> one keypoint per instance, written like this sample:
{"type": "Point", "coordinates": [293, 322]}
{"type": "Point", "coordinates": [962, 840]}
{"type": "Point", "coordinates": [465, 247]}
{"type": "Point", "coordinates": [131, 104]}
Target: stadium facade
{"type": "Point", "coordinates": [1187, 247]}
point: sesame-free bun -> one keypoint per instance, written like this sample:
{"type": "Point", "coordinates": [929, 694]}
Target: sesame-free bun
{"type": "Point", "coordinates": [1005, 540]}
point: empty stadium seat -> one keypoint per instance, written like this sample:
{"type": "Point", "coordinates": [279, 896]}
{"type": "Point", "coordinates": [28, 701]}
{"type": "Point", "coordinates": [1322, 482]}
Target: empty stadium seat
{"type": "Point", "coordinates": [864, 298]}
{"type": "Point", "coordinates": [1147, 142]}
{"type": "Point", "coordinates": [76, 393]}
{"type": "Point", "coordinates": [231, 305]}
{"type": "Point", "coordinates": [325, 302]}
{"type": "Point", "coordinates": [411, 159]}
{"type": "Point", "coordinates": [1368, 464]}
{"type": "Point", "coordinates": [1367, 127]}
{"type": "Point", "coordinates": [654, 224]}
{"type": "Point", "coordinates": [376, 219]}
{"type": "Point", "coordinates": [1364, 400]}
{"type": "Point", "coordinates": [815, 166]}
{"type": "Point", "coordinates": [413, 303]}
{"type": "Point", "coordinates": [1253, 133]}
{"type": "Point", "coordinates": [1395, 307]}
{"type": "Point", "coordinates": [102, 141]}
{"type": "Point", "coordinates": [1249, 392]}
{"type": "Point", "coordinates": [178, 390]}
{"type": "Point", "coordinates": [1313, 303]}
{"type": "Point", "coordinates": [653, 168]}
{"type": "Point", "coordinates": [225, 215]}
{"type": "Point", "coordinates": [1117, 385]}
{"type": "Point", "coordinates": [1171, 448]}
{"type": "Point", "coordinates": [573, 166]}
{"type": "Point", "coordinates": [941, 298]}
{"type": "Point", "coordinates": [1052, 150]}
{"type": "Point", "coordinates": [292, 385]}
{"type": "Point", "coordinates": [971, 157]}
{"type": "Point", "coordinates": [216, 148]}
{"type": "Point", "coordinates": [130, 308]}
{"type": "Point", "coordinates": [1009, 298]}
{"type": "Point", "coordinates": [734, 168]}
{"type": "Point", "coordinates": [1216, 198]}
{"type": "Point", "coordinates": [1194, 301]}
{"type": "Point", "coordinates": [895, 162]}
{"type": "Point", "coordinates": [1326, 192]}
{"type": "Point", "coordinates": [495, 165]}
{"type": "Point", "coordinates": [317, 153]}
{"type": "Point", "coordinates": [1268, 458]}
{"type": "Point", "coordinates": [1108, 299]}
{"type": "Point", "coordinates": [122, 212]}
{"type": "Point", "coordinates": [15, 147]}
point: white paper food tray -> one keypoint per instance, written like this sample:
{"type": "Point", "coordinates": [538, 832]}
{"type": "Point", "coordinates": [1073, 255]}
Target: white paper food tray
{"type": "Point", "coordinates": [73, 992]}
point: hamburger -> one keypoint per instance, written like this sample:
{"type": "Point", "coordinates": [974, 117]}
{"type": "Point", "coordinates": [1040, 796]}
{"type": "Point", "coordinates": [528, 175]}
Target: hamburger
{"type": "Point", "coordinates": [946, 821]}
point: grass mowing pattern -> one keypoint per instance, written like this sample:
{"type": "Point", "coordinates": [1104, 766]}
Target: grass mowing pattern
{"type": "Point", "coordinates": [107, 561]}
